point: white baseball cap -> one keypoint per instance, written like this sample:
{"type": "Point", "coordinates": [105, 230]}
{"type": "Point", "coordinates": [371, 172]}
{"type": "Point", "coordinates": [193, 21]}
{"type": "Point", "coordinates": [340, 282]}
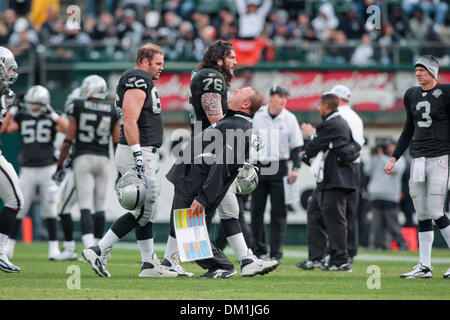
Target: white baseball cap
{"type": "Point", "coordinates": [341, 91]}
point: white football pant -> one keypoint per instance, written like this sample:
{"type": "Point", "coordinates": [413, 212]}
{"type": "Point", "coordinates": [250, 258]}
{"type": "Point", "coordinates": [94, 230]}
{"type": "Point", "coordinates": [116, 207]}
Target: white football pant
{"type": "Point", "coordinates": [91, 174]}
{"type": "Point", "coordinates": [68, 193]}
{"type": "Point", "coordinates": [32, 178]}
{"type": "Point", "coordinates": [429, 196]}
{"type": "Point", "coordinates": [125, 162]}
{"type": "Point", "coordinates": [10, 191]}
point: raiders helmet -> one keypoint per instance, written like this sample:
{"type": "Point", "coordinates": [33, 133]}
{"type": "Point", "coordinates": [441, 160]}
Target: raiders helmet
{"type": "Point", "coordinates": [131, 190]}
{"type": "Point", "coordinates": [93, 86]}
{"type": "Point", "coordinates": [7, 64]}
{"type": "Point", "coordinates": [75, 94]}
{"type": "Point", "coordinates": [35, 100]}
{"type": "Point", "coordinates": [246, 180]}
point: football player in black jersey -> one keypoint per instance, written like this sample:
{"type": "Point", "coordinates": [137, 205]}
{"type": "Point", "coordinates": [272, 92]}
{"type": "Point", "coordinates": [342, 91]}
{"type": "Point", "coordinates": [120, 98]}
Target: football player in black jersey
{"type": "Point", "coordinates": [202, 186]}
{"type": "Point", "coordinates": [208, 92]}
{"type": "Point", "coordinates": [208, 102]}
{"type": "Point", "coordinates": [92, 123]}
{"type": "Point", "coordinates": [141, 132]}
{"type": "Point", "coordinates": [37, 125]}
{"type": "Point", "coordinates": [427, 134]}
{"type": "Point", "coordinates": [10, 192]}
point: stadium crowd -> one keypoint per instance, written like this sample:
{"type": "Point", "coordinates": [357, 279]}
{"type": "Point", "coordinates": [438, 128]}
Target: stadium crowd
{"type": "Point", "coordinates": [184, 29]}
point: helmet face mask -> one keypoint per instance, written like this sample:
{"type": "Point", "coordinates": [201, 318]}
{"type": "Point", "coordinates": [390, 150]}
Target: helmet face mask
{"type": "Point", "coordinates": [8, 65]}
{"type": "Point", "coordinates": [247, 180]}
{"type": "Point", "coordinates": [131, 190]}
{"type": "Point", "coordinates": [35, 109]}
{"type": "Point", "coordinates": [35, 100]}
{"type": "Point", "coordinates": [93, 87]}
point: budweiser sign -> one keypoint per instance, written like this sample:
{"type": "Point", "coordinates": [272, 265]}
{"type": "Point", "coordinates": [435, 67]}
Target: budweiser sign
{"type": "Point", "coordinates": [371, 90]}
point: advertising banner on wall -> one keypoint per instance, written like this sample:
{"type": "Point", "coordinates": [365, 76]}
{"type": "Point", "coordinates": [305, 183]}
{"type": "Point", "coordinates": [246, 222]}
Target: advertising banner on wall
{"type": "Point", "coordinates": [371, 90]}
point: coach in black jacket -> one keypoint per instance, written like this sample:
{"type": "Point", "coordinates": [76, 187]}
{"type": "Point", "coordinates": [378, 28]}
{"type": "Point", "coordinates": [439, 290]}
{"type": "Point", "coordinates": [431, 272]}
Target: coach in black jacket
{"type": "Point", "coordinates": [338, 179]}
{"type": "Point", "coordinates": [203, 174]}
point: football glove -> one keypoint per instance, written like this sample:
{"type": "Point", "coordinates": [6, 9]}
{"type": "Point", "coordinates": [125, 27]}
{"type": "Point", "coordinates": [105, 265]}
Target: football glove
{"type": "Point", "coordinates": [59, 175]}
{"type": "Point", "coordinates": [138, 163]}
{"type": "Point", "coordinates": [48, 109]}
{"type": "Point", "coordinates": [10, 96]}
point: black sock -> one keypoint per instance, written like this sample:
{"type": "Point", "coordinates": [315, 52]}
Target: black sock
{"type": "Point", "coordinates": [231, 226]}
{"type": "Point", "coordinates": [16, 228]}
{"type": "Point", "coordinates": [67, 226]}
{"type": "Point", "coordinates": [99, 224]}
{"type": "Point", "coordinates": [7, 220]}
{"type": "Point", "coordinates": [425, 225]}
{"type": "Point", "coordinates": [124, 224]}
{"type": "Point", "coordinates": [172, 226]}
{"type": "Point", "coordinates": [443, 222]}
{"type": "Point", "coordinates": [144, 232]}
{"type": "Point", "coordinates": [52, 229]}
{"type": "Point", "coordinates": [86, 222]}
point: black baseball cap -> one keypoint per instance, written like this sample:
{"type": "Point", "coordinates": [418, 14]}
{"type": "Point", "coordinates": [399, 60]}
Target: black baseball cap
{"type": "Point", "coordinates": [279, 91]}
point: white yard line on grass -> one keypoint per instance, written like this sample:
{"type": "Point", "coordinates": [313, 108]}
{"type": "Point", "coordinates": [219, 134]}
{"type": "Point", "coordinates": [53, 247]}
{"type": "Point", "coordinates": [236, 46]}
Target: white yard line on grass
{"type": "Point", "coordinates": [302, 254]}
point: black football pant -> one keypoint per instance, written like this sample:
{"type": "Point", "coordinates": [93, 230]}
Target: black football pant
{"type": "Point", "coordinates": [352, 216]}
{"type": "Point", "coordinates": [269, 185]}
{"type": "Point", "coordinates": [328, 225]}
{"type": "Point", "coordinates": [315, 228]}
{"type": "Point", "coordinates": [219, 260]}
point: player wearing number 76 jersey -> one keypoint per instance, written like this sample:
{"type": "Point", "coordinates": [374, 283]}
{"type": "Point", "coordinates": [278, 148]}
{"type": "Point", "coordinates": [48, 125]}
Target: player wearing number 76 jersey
{"type": "Point", "coordinates": [427, 133]}
{"type": "Point", "coordinates": [92, 123]}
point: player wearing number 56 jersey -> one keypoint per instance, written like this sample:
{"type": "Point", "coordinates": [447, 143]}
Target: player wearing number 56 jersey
{"type": "Point", "coordinates": [92, 123]}
{"type": "Point", "coordinates": [37, 124]}
{"type": "Point", "coordinates": [427, 133]}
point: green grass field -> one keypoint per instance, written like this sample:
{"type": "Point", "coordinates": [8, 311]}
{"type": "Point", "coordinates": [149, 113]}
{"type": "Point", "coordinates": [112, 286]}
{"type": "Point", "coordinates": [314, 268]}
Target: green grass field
{"type": "Point", "coordinates": [44, 279]}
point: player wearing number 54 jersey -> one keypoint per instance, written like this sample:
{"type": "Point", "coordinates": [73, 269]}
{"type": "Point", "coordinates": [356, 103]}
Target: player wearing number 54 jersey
{"type": "Point", "coordinates": [92, 123]}
{"type": "Point", "coordinates": [427, 133]}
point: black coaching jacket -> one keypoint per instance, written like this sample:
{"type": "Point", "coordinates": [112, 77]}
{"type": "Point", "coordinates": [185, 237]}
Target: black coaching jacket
{"type": "Point", "coordinates": [332, 134]}
{"type": "Point", "coordinates": [208, 165]}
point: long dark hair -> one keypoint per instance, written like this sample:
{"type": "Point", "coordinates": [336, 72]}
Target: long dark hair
{"type": "Point", "coordinates": [220, 49]}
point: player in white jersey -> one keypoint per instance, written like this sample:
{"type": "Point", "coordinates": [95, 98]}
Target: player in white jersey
{"type": "Point", "coordinates": [37, 124]}
{"type": "Point", "coordinates": [10, 192]}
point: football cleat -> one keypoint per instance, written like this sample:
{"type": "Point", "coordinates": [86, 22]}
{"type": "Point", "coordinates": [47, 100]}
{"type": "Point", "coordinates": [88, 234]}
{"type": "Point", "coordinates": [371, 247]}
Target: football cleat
{"type": "Point", "coordinates": [309, 264]}
{"type": "Point", "coordinates": [218, 274]}
{"type": "Point", "coordinates": [172, 264]}
{"type": "Point", "coordinates": [419, 271]}
{"type": "Point", "coordinates": [52, 255]}
{"type": "Point", "coordinates": [97, 259]}
{"type": "Point", "coordinates": [447, 274]}
{"type": "Point", "coordinates": [65, 255]}
{"type": "Point", "coordinates": [251, 265]}
{"type": "Point", "coordinates": [7, 266]}
{"type": "Point", "coordinates": [333, 267]}
{"type": "Point", "coordinates": [153, 269]}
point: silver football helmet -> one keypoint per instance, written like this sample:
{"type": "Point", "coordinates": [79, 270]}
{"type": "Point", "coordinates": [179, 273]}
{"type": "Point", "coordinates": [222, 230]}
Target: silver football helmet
{"type": "Point", "coordinates": [8, 65]}
{"type": "Point", "coordinates": [93, 86]}
{"type": "Point", "coordinates": [131, 190]}
{"type": "Point", "coordinates": [247, 179]}
{"type": "Point", "coordinates": [35, 100]}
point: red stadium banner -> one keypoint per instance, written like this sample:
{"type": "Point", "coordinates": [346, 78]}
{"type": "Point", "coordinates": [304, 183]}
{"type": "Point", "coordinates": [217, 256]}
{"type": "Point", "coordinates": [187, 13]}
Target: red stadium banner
{"type": "Point", "coordinates": [371, 90]}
